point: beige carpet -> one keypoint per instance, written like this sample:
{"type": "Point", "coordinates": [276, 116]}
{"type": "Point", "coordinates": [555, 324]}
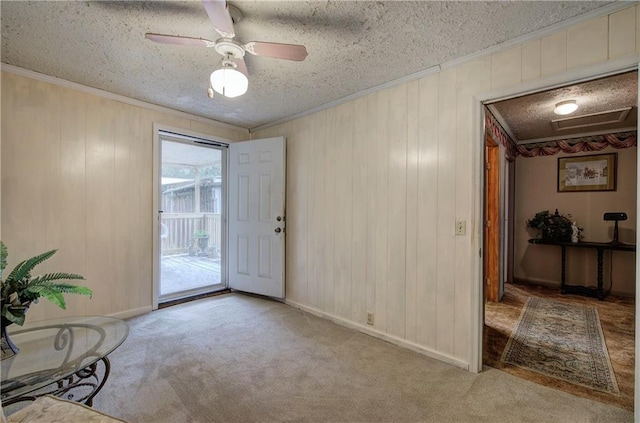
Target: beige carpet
{"type": "Point", "coordinates": [237, 358]}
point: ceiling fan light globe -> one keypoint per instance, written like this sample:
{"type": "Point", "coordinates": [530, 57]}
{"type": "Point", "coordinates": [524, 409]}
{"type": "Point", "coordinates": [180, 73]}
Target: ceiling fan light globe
{"type": "Point", "coordinates": [229, 82]}
{"type": "Point", "coordinates": [565, 107]}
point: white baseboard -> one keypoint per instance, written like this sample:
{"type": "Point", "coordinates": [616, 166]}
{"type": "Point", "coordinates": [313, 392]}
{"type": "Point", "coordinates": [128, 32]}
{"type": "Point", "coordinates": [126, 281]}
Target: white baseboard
{"type": "Point", "coordinates": [380, 335]}
{"type": "Point", "coordinates": [127, 314]}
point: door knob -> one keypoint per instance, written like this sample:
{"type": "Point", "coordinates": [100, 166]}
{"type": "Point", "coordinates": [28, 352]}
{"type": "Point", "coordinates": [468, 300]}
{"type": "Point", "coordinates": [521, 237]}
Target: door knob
{"type": "Point", "coordinates": [278, 230]}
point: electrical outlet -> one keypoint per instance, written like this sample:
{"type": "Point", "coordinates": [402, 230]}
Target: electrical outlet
{"type": "Point", "coordinates": [461, 227]}
{"type": "Point", "coordinates": [370, 318]}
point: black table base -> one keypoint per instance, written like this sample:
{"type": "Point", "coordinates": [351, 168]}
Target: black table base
{"type": "Point", "coordinates": [598, 291]}
{"type": "Point", "coordinates": [81, 386]}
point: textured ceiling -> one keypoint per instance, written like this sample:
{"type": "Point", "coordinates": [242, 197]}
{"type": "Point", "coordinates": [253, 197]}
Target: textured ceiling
{"type": "Point", "coordinates": [529, 118]}
{"type": "Point", "coordinates": [352, 45]}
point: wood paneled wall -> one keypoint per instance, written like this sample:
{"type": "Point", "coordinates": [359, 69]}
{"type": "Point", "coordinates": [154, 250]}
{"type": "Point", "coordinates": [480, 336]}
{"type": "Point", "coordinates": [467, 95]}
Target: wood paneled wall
{"type": "Point", "coordinates": [376, 184]}
{"type": "Point", "coordinates": [77, 176]}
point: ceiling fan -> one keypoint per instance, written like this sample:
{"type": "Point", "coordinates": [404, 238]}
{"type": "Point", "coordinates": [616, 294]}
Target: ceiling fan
{"type": "Point", "coordinates": [230, 79]}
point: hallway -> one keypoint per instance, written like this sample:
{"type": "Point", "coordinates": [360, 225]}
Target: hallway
{"type": "Point", "coordinates": [617, 321]}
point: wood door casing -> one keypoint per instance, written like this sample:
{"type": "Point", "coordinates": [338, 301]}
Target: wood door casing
{"type": "Point", "coordinates": [491, 255]}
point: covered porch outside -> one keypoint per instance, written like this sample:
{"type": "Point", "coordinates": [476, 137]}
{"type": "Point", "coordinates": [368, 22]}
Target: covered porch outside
{"type": "Point", "coordinates": [191, 224]}
{"type": "Point", "coordinates": [182, 272]}
{"type": "Point", "coordinates": [190, 251]}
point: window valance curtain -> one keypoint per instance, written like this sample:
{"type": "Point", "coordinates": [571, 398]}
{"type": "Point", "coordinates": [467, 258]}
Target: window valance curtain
{"type": "Point", "coordinates": [578, 145]}
{"type": "Point", "coordinates": [569, 146]}
{"type": "Point", "coordinates": [500, 135]}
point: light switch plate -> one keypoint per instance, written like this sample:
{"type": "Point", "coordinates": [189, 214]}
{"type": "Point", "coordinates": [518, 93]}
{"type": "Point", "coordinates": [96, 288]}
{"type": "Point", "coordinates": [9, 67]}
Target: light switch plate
{"type": "Point", "coordinates": [461, 227]}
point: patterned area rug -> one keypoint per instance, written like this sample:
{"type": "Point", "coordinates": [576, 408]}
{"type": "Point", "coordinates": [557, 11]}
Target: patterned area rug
{"type": "Point", "coordinates": [564, 341]}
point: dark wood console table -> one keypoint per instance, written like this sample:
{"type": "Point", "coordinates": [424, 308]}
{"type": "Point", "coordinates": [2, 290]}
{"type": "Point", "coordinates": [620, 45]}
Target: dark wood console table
{"type": "Point", "coordinates": [598, 291]}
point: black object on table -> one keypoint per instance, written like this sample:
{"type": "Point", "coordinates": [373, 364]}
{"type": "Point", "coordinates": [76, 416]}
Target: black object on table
{"type": "Point", "coordinates": [598, 291]}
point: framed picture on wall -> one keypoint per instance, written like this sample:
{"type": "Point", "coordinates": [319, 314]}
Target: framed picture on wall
{"type": "Point", "coordinates": [587, 173]}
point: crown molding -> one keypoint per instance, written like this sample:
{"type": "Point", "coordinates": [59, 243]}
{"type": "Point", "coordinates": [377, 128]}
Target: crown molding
{"type": "Point", "coordinates": [569, 77]}
{"type": "Point", "coordinates": [602, 11]}
{"type": "Point", "coordinates": [429, 71]}
{"type": "Point", "coordinates": [4, 67]}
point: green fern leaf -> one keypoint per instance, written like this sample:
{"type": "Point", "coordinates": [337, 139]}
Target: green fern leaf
{"type": "Point", "coordinates": [23, 269]}
{"type": "Point", "coordinates": [63, 288]}
{"type": "Point", "coordinates": [47, 291]}
{"type": "Point", "coordinates": [54, 291]}
{"type": "Point", "coordinates": [74, 289]}
{"type": "Point", "coordinates": [48, 277]}
{"type": "Point", "coordinates": [3, 257]}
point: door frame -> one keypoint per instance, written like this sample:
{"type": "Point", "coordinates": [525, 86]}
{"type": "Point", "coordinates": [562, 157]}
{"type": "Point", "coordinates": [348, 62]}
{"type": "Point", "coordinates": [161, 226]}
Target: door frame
{"type": "Point", "coordinates": [492, 221]}
{"type": "Point", "coordinates": [155, 203]}
{"type": "Point", "coordinates": [624, 64]}
{"type": "Point", "coordinates": [503, 175]}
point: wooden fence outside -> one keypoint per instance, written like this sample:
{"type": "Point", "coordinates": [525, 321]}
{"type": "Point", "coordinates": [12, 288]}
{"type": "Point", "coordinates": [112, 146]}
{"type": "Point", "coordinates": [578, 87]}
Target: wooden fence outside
{"type": "Point", "coordinates": [178, 228]}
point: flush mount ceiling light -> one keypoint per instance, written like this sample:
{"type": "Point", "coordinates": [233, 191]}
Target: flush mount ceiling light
{"type": "Point", "coordinates": [565, 107]}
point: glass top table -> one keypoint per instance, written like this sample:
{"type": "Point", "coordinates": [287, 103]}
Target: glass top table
{"type": "Point", "coordinates": [63, 357]}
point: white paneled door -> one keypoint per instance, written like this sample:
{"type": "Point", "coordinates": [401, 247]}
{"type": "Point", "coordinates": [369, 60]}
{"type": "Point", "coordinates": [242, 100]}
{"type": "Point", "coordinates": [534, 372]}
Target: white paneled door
{"type": "Point", "coordinates": [256, 216]}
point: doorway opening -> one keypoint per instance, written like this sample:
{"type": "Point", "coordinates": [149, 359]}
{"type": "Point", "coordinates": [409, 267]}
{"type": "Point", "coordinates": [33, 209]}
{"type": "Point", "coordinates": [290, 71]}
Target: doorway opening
{"type": "Point", "coordinates": [528, 184]}
{"type": "Point", "coordinates": [192, 217]}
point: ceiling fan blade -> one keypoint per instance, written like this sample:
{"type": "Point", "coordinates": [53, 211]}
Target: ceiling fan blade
{"type": "Point", "coordinates": [277, 50]}
{"type": "Point", "coordinates": [178, 40]}
{"type": "Point", "coordinates": [242, 66]}
{"type": "Point", "coordinates": [219, 16]}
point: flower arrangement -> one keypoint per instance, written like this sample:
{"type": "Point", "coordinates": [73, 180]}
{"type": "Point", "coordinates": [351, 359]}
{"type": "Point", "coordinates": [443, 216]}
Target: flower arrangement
{"type": "Point", "coordinates": [553, 227]}
{"type": "Point", "coordinates": [19, 289]}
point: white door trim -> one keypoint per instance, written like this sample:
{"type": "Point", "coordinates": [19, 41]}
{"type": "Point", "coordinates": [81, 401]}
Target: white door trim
{"type": "Point", "coordinates": [627, 63]}
{"type": "Point", "coordinates": [155, 203]}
